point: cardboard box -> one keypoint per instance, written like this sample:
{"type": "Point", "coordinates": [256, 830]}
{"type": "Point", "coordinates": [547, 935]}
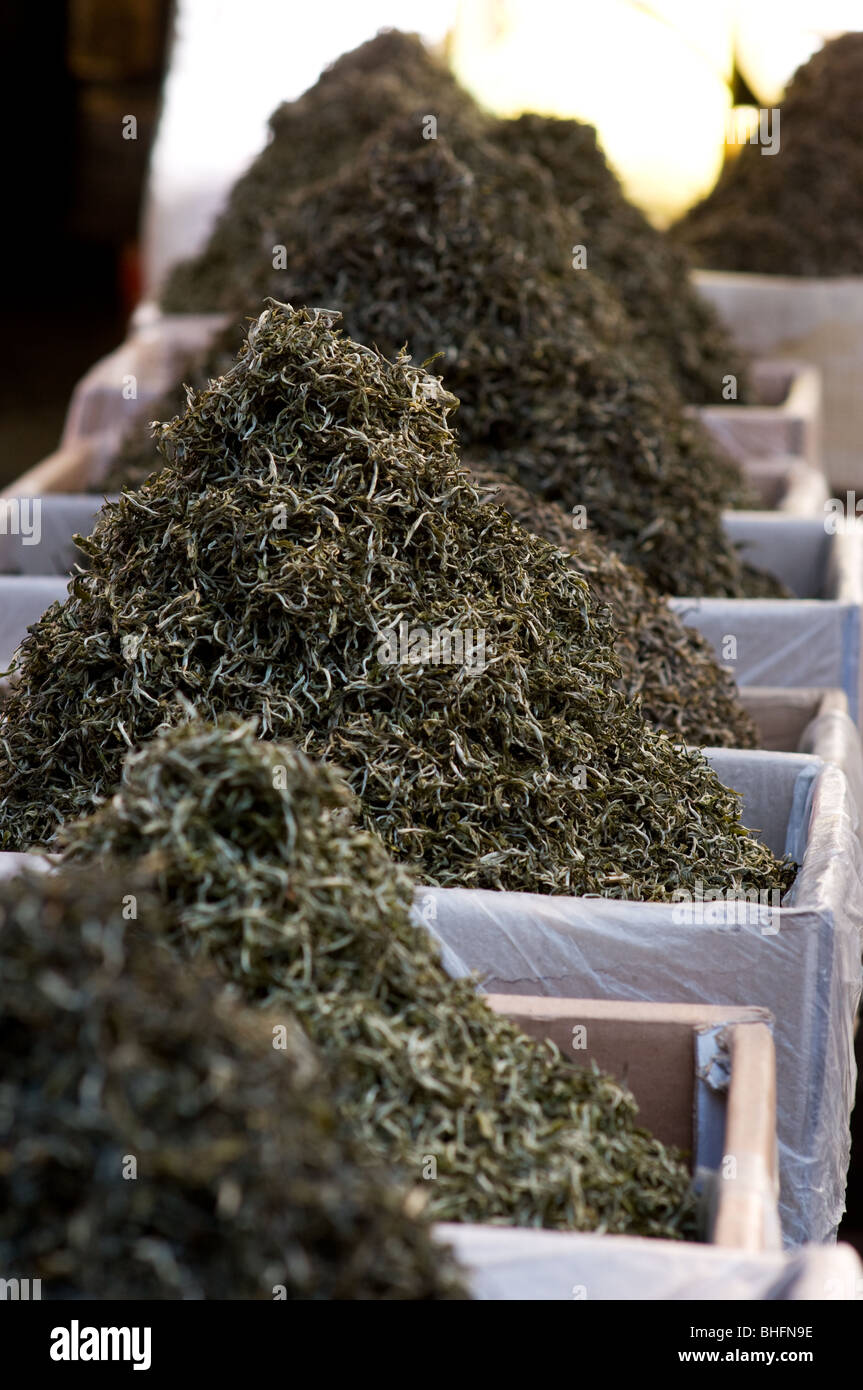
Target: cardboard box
{"type": "Point", "coordinates": [787, 485]}
{"type": "Point", "coordinates": [705, 1081]}
{"type": "Point", "coordinates": [506, 1264]}
{"type": "Point", "coordinates": [51, 549]}
{"type": "Point", "coordinates": [786, 421]}
{"type": "Point", "coordinates": [805, 319]}
{"type": "Point", "coordinates": [809, 721]}
{"type": "Point", "coordinates": [783, 715]}
{"type": "Point", "coordinates": [801, 961]}
{"type": "Point", "coordinates": [148, 361]}
{"type": "Point", "coordinates": [23, 600]}
{"type": "Point", "coordinates": [812, 640]}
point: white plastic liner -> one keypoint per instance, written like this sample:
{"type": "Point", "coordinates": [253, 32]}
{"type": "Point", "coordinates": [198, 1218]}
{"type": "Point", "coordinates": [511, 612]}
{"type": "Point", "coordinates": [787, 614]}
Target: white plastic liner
{"type": "Point", "coordinates": [802, 961]}
{"type": "Point", "coordinates": [785, 422]}
{"type": "Point", "coordinates": [120, 387]}
{"type": "Point", "coordinates": [832, 736]}
{"type": "Point", "coordinates": [13, 862]}
{"type": "Point", "coordinates": [506, 1264]}
{"type": "Point", "coordinates": [23, 600]}
{"type": "Point", "coordinates": [797, 641]}
{"type": "Point", "coordinates": [62, 515]}
{"type": "Point", "coordinates": [784, 642]}
{"type": "Point", "coordinates": [810, 319]}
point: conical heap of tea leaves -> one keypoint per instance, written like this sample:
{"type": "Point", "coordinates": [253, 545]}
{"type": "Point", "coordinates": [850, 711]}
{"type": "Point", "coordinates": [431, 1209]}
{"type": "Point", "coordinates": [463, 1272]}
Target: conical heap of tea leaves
{"type": "Point", "coordinates": [799, 209]}
{"type": "Point", "coordinates": [263, 870]}
{"type": "Point", "coordinates": [159, 1142]}
{"type": "Point", "coordinates": [669, 667]}
{"type": "Point", "coordinates": [418, 247]}
{"type": "Point", "coordinates": [137, 456]}
{"type": "Point", "coordinates": [394, 73]}
{"type": "Point", "coordinates": [627, 402]}
{"type": "Point", "coordinates": [310, 139]}
{"type": "Point", "coordinates": [462, 259]}
{"type": "Point", "coordinates": [312, 553]}
{"type": "Point", "coordinates": [645, 267]}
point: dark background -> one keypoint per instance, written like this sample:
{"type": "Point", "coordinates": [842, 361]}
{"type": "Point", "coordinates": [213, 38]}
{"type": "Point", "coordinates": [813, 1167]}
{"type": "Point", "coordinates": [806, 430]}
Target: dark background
{"type": "Point", "coordinates": [74, 187]}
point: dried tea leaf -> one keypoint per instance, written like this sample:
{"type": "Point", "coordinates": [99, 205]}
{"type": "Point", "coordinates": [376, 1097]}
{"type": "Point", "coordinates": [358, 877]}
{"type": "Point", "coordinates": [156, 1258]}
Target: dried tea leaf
{"type": "Point", "coordinates": [263, 870]}
{"type": "Point", "coordinates": [310, 506]}
{"type": "Point", "coordinates": [798, 210]}
{"type": "Point", "coordinates": [669, 667]}
{"type": "Point", "coordinates": [154, 1143]}
{"type": "Point", "coordinates": [645, 267]}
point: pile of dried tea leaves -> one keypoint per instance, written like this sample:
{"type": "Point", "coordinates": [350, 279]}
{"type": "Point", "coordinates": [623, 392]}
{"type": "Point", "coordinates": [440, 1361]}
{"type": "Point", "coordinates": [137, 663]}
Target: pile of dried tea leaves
{"type": "Point", "coordinates": [669, 667]}
{"type": "Point", "coordinates": [310, 139]}
{"type": "Point", "coordinates": [395, 74]}
{"type": "Point", "coordinates": [313, 554]}
{"type": "Point", "coordinates": [471, 258]}
{"type": "Point", "coordinates": [798, 211]}
{"type": "Point", "coordinates": [460, 260]}
{"type": "Point", "coordinates": [644, 266]}
{"type": "Point", "coordinates": [264, 871]}
{"type": "Point", "coordinates": [155, 1143]}
{"type": "Point", "coordinates": [467, 261]}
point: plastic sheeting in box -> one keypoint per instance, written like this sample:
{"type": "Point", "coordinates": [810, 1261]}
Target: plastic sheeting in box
{"type": "Point", "coordinates": [787, 485]}
{"type": "Point", "coordinates": [23, 600]}
{"type": "Point", "coordinates": [801, 961]}
{"type": "Point", "coordinates": [809, 721]}
{"type": "Point", "coordinates": [14, 862]}
{"type": "Point", "coordinates": [810, 319]}
{"type": "Point", "coordinates": [524, 1265]}
{"type": "Point", "coordinates": [51, 549]}
{"type": "Point", "coordinates": [813, 639]}
{"type": "Point", "coordinates": [786, 420]}
{"type": "Point", "coordinates": [118, 388]}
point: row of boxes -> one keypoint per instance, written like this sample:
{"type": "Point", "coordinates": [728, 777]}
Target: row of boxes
{"type": "Point", "coordinates": [734, 1033]}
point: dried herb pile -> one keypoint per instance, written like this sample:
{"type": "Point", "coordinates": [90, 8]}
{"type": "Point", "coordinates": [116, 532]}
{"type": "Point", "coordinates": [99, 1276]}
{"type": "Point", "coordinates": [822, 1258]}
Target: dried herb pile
{"type": "Point", "coordinates": [395, 74]}
{"type": "Point", "coordinates": [669, 667]}
{"type": "Point", "coordinates": [798, 211]}
{"type": "Point", "coordinates": [153, 1142]}
{"type": "Point", "coordinates": [464, 259]}
{"type": "Point", "coordinates": [264, 871]}
{"type": "Point", "coordinates": [468, 262]}
{"type": "Point", "coordinates": [311, 504]}
{"type": "Point", "coordinates": [644, 266]}
{"type": "Point", "coordinates": [459, 246]}
{"type": "Point", "coordinates": [310, 139]}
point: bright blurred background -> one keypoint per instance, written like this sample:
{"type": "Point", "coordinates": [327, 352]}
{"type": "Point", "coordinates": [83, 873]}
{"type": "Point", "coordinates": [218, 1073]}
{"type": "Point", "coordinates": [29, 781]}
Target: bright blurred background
{"type": "Point", "coordinates": [104, 216]}
{"type": "Point", "coordinates": [658, 79]}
